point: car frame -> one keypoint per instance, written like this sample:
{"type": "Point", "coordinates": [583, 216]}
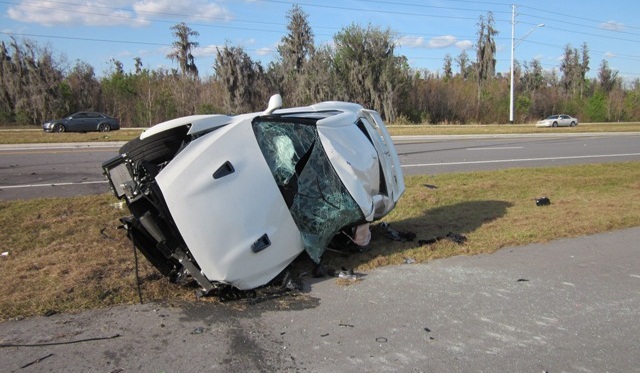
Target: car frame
{"type": "Point", "coordinates": [233, 200]}
{"type": "Point", "coordinates": [83, 121]}
{"type": "Point", "coordinates": [558, 120]}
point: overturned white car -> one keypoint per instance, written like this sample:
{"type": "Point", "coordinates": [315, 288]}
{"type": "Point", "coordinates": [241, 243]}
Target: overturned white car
{"type": "Point", "coordinates": [233, 200]}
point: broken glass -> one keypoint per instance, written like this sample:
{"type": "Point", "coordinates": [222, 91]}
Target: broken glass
{"type": "Point", "coordinates": [317, 199]}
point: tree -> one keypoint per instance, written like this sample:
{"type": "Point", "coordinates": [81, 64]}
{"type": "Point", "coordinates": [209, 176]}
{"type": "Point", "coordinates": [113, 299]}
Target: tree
{"type": "Point", "coordinates": [584, 67]}
{"type": "Point", "coordinates": [574, 67]}
{"type": "Point", "coordinates": [607, 78]}
{"type": "Point", "coordinates": [486, 48]}
{"type": "Point", "coordinates": [367, 69]}
{"type": "Point", "coordinates": [241, 79]}
{"type": "Point", "coordinates": [447, 68]}
{"type": "Point", "coordinates": [182, 49]}
{"type": "Point", "coordinates": [533, 77]}
{"type": "Point", "coordinates": [297, 45]}
{"type": "Point", "coordinates": [31, 82]}
{"type": "Point", "coordinates": [463, 63]}
{"type": "Point", "coordinates": [320, 79]}
{"type": "Point", "coordinates": [138, 65]}
{"type": "Point", "coordinates": [295, 50]}
{"type": "Point", "coordinates": [85, 92]}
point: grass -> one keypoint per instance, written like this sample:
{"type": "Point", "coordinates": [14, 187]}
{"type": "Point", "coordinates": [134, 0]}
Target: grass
{"type": "Point", "coordinates": [24, 136]}
{"type": "Point", "coordinates": [65, 254]}
{"type": "Point", "coordinates": [490, 129]}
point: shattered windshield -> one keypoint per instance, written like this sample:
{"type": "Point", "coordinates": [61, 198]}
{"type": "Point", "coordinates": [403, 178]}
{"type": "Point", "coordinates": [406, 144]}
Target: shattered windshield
{"type": "Point", "coordinates": [318, 201]}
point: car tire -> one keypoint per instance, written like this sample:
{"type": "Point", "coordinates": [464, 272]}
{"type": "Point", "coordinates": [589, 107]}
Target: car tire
{"type": "Point", "coordinates": [59, 127]}
{"type": "Point", "coordinates": [104, 127]}
{"type": "Point", "coordinates": [157, 148]}
{"type": "Point", "coordinates": [555, 124]}
{"type": "Point", "coordinates": [573, 124]}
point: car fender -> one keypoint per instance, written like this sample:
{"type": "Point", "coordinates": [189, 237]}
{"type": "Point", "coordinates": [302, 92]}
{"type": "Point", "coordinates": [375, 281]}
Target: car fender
{"type": "Point", "coordinates": [197, 124]}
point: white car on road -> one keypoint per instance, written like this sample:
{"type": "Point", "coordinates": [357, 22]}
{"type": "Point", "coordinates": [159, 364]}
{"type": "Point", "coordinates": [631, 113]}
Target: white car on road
{"type": "Point", "coordinates": [561, 120]}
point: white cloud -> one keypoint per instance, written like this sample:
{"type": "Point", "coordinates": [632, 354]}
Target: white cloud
{"type": "Point", "coordinates": [88, 13]}
{"type": "Point", "coordinates": [411, 41]}
{"type": "Point", "coordinates": [201, 10]}
{"type": "Point", "coordinates": [612, 26]}
{"type": "Point", "coordinates": [441, 41]}
{"type": "Point", "coordinates": [464, 44]}
{"type": "Point", "coordinates": [438, 42]}
{"type": "Point", "coordinates": [609, 54]}
{"type": "Point", "coordinates": [206, 51]}
{"type": "Point", "coordinates": [115, 12]}
{"type": "Point", "coordinates": [266, 51]}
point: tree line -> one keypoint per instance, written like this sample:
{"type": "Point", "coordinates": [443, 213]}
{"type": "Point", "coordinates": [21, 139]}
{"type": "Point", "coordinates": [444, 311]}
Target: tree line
{"type": "Point", "coordinates": [362, 66]}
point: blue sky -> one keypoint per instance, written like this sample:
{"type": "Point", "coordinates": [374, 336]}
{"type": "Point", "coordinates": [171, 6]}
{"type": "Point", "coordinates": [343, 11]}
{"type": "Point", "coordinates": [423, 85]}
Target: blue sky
{"type": "Point", "coordinates": [98, 31]}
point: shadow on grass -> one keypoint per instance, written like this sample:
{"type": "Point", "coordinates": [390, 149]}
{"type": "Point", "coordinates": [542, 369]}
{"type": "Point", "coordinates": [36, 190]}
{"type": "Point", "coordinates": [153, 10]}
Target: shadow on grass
{"type": "Point", "coordinates": [461, 218]}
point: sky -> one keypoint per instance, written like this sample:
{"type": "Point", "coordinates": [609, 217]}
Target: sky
{"type": "Point", "coordinates": [99, 31]}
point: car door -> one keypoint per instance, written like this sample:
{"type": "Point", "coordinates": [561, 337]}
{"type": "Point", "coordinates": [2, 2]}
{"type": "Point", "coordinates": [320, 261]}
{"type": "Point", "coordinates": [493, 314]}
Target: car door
{"type": "Point", "coordinates": [564, 120]}
{"type": "Point", "coordinates": [76, 122]}
{"type": "Point", "coordinates": [91, 122]}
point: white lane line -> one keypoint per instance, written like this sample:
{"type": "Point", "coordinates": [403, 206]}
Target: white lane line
{"type": "Point", "coordinates": [49, 185]}
{"type": "Point", "coordinates": [497, 148]}
{"type": "Point", "coordinates": [520, 160]}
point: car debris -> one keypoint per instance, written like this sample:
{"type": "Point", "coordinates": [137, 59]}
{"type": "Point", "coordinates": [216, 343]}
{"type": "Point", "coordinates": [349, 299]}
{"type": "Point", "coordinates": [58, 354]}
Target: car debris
{"type": "Point", "coordinates": [451, 236]}
{"type": "Point", "coordinates": [543, 201]}
{"type": "Point", "coordinates": [394, 235]}
{"type": "Point", "coordinates": [233, 200]}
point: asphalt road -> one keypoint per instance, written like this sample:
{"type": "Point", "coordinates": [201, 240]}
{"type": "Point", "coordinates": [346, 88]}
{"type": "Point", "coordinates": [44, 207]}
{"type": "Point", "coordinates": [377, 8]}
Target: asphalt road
{"type": "Point", "coordinates": [567, 306]}
{"type": "Point", "coordinates": [64, 170]}
{"type": "Point", "coordinates": [446, 154]}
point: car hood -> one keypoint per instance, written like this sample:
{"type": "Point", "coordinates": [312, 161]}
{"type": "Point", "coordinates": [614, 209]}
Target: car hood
{"type": "Point", "coordinates": [229, 210]}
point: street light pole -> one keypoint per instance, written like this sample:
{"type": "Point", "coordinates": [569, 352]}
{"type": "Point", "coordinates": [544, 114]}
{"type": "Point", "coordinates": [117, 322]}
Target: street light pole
{"type": "Point", "coordinates": [513, 47]}
{"type": "Point", "coordinates": [514, 44]}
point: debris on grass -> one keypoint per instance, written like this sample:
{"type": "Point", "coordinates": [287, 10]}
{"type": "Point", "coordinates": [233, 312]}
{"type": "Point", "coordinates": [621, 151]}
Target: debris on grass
{"type": "Point", "coordinates": [454, 237]}
{"type": "Point", "coordinates": [543, 201]}
{"type": "Point", "coordinates": [394, 235]}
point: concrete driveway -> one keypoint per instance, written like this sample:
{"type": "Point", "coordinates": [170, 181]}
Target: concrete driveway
{"type": "Point", "coordinates": [571, 305]}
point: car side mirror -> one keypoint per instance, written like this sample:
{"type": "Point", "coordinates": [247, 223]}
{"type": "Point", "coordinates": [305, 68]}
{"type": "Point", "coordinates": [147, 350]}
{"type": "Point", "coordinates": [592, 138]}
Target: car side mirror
{"type": "Point", "coordinates": [275, 102]}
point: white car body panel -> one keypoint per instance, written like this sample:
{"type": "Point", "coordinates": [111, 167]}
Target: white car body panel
{"type": "Point", "coordinates": [353, 157]}
{"type": "Point", "coordinates": [235, 210]}
{"type": "Point", "coordinates": [198, 123]}
{"type": "Point", "coordinates": [389, 162]}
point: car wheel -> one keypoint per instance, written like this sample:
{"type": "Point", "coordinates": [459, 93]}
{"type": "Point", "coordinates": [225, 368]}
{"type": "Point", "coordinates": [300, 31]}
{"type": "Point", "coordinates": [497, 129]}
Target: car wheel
{"type": "Point", "coordinates": [104, 127]}
{"type": "Point", "coordinates": [573, 124]}
{"type": "Point", "coordinates": [157, 148]}
{"type": "Point", "coordinates": [555, 124]}
{"type": "Point", "coordinates": [59, 128]}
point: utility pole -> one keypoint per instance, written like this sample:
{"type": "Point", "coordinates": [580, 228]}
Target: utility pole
{"type": "Point", "coordinates": [513, 47]}
{"type": "Point", "coordinates": [514, 44]}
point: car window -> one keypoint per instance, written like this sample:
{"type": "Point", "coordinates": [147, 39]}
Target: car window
{"type": "Point", "coordinates": [317, 199]}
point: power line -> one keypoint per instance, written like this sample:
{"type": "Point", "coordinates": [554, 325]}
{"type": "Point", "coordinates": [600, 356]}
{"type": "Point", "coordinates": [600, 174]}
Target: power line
{"type": "Point", "coordinates": [80, 9]}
